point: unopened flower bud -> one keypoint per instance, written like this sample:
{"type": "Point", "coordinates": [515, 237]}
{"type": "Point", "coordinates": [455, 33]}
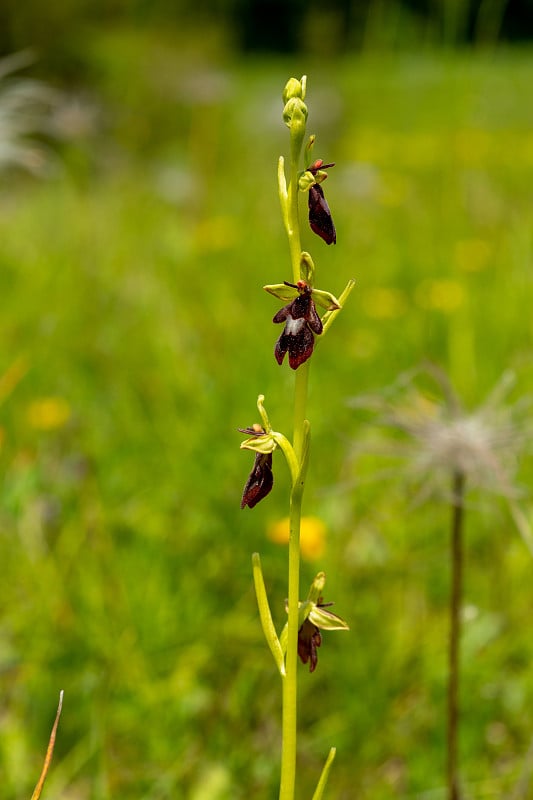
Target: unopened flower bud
{"type": "Point", "coordinates": [295, 115]}
{"type": "Point", "coordinates": [294, 88]}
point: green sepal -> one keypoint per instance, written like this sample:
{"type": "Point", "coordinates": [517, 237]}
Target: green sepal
{"type": "Point", "coordinates": [263, 443]}
{"type": "Point", "coordinates": [326, 620]}
{"type": "Point", "coordinates": [282, 291]}
{"type": "Point", "coordinates": [320, 616]}
{"type": "Point", "coordinates": [326, 300]}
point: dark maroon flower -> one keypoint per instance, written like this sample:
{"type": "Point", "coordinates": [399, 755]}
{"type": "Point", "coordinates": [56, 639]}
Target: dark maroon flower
{"type": "Point", "coordinates": [301, 322]}
{"type": "Point", "coordinates": [260, 481]}
{"type": "Point", "coordinates": [309, 638]}
{"type": "Point", "coordinates": [320, 218]}
{"type": "Point", "coordinates": [317, 617]}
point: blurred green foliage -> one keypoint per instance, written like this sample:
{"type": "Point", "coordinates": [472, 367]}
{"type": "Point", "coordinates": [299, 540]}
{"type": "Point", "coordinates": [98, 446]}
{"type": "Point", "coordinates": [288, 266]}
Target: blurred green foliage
{"type": "Point", "coordinates": [135, 338]}
{"type": "Point", "coordinates": [59, 31]}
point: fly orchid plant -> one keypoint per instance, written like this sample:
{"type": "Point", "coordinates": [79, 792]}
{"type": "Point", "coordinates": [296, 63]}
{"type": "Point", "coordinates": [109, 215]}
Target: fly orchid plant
{"type": "Point", "coordinates": [303, 324]}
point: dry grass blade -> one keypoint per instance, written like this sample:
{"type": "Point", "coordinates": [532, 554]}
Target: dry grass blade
{"type": "Point", "coordinates": [49, 752]}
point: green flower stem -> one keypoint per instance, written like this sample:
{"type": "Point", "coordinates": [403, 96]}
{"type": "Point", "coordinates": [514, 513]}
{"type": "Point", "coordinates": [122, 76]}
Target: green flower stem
{"type": "Point", "coordinates": [293, 229]}
{"type": "Point", "coordinates": [290, 680]}
{"type": "Point", "coordinates": [290, 684]}
{"type": "Point", "coordinates": [300, 407]}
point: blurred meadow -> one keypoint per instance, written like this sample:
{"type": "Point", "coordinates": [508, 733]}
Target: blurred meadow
{"type": "Point", "coordinates": [137, 228]}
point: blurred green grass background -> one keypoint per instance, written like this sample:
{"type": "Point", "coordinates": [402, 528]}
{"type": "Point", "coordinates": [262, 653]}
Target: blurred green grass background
{"type": "Point", "coordinates": [135, 338]}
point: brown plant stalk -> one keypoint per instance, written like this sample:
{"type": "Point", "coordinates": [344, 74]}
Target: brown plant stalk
{"type": "Point", "coordinates": [49, 752]}
{"type": "Point", "coordinates": [456, 597]}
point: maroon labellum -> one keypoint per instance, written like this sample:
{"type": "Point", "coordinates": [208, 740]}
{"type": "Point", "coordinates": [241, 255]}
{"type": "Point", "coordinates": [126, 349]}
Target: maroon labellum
{"type": "Point", "coordinates": [301, 322]}
{"type": "Point", "coordinates": [309, 639]}
{"type": "Point", "coordinates": [260, 481]}
{"type": "Point", "coordinates": [320, 218]}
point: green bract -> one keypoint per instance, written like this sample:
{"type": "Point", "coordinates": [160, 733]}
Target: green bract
{"type": "Point", "coordinates": [314, 610]}
{"type": "Point", "coordinates": [326, 300]}
{"type": "Point", "coordinates": [320, 296]}
{"type": "Point", "coordinates": [282, 291]}
{"type": "Point", "coordinates": [326, 620]}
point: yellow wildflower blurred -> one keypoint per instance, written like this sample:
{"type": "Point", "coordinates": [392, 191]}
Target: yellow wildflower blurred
{"type": "Point", "coordinates": [48, 413]}
{"type": "Point", "coordinates": [312, 536]}
{"type": "Point", "coordinates": [441, 295]}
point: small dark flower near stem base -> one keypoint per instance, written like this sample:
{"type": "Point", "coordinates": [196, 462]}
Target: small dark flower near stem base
{"type": "Point", "coordinates": [320, 218]}
{"type": "Point", "coordinates": [309, 638]}
{"type": "Point", "coordinates": [301, 322]}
